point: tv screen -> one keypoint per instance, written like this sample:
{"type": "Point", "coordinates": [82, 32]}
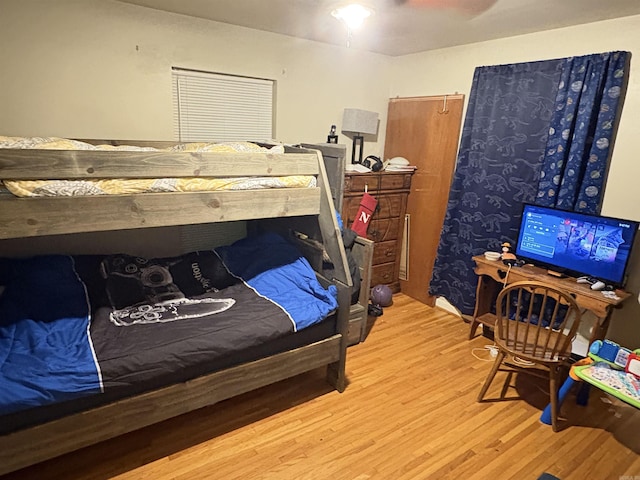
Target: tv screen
{"type": "Point", "coordinates": [576, 243]}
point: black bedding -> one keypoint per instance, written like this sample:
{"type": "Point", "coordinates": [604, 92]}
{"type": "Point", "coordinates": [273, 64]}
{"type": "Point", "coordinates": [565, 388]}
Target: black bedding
{"type": "Point", "coordinates": [75, 331]}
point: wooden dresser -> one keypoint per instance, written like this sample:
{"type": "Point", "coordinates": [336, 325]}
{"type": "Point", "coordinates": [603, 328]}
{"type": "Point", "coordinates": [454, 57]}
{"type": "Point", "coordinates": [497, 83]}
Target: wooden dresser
{"type": "Point", "coordinates": [391, 190]}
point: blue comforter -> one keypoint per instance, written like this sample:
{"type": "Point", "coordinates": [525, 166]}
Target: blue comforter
{"type": "Point", "coordinates": [46, 354]}
{"type": "Point", "coordinates": [56, 345]}
{"type": "Point", "coordinates": [277, 271]}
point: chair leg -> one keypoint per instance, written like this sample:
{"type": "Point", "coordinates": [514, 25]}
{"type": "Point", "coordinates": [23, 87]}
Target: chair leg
{"type": "Point", "coordinates": [492, 374]}
{"type": "Point", "coordinates": [553, 397]}
{"type": "Point", "coordinates": [506, 384]}
{"type": "Point", "coordinates": [474, 327]}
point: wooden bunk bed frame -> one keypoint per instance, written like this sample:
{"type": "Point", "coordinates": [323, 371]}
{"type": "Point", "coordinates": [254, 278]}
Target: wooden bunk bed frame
{"type": "Point", "coordinates": [308, 210]}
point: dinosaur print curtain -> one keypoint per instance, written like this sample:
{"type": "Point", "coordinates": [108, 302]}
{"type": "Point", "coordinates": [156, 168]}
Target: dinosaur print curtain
{"type": "Point", "coordinates": [574, 170]}
{"type": "Point", "coordinates": [505, 139]}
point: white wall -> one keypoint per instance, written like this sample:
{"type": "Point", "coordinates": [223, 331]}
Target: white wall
{"type": "Point", "coordinates": [451, 71]}
{"type": "Point", "coordinates": [102, 69]}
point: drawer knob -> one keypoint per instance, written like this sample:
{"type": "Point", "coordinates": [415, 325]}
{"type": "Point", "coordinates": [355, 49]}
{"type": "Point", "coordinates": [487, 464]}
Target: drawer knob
{"type": "Point", "coordinates": [388, 252]}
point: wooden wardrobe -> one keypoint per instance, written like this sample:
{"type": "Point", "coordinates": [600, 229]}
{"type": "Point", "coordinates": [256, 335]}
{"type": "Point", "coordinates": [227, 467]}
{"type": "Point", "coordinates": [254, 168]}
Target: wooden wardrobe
{"type": "Point", "coordinates": [426, 131]}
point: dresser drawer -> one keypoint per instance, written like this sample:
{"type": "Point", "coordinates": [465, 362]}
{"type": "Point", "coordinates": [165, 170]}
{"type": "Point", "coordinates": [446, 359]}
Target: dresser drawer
{"type": "Point", "coordinates": [395, 181]}
{"type": "Point", "coordinates": [361, 183]}
{"type": "Point", "coordinates": [388, 206]}
{"type": "Point", "coordinates": [374, 182]}
{"type": "Point", "coordinates": [382, 230]}
{"type": "Point", "coordinates": [384, 252]}
{"type": "Point", "coordinates": [382, 274]}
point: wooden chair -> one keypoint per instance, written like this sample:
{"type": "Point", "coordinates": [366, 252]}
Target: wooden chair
{"type": "Point", "coordinates": [535, 322]}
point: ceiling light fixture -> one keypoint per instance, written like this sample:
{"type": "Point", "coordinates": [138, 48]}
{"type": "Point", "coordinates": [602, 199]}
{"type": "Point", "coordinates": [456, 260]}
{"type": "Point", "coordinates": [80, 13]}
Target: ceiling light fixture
{"type": "Point", "coordinates": [353, 15]}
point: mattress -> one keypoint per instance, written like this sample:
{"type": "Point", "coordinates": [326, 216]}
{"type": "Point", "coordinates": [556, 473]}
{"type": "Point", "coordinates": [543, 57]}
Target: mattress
{"type": "Point", "coordinates": [121, 186]}
{"type": "Point", "coordinates": [102, 328]}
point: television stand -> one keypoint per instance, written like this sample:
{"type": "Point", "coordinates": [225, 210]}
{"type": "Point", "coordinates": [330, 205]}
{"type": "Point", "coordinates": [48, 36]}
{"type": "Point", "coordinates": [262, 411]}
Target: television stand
{"type": "Point", "coordinates": [493, 274]}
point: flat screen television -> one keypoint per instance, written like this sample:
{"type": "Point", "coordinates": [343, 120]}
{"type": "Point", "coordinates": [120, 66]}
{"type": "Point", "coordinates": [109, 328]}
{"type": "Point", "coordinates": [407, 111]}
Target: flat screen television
{"type": "Point", "coordinates": [576, 244]}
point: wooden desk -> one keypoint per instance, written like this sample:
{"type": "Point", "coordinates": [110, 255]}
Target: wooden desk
{"type": "Point", "coordinates": [491, 277]}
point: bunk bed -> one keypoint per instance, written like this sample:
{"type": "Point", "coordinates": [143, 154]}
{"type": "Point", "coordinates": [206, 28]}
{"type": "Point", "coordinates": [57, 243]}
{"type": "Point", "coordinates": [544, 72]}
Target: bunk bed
{"type": "Point", "coordinates": [59, 228]}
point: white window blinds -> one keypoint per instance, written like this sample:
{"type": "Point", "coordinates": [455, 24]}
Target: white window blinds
{"type": "Point", "coordinates": [213, 107]}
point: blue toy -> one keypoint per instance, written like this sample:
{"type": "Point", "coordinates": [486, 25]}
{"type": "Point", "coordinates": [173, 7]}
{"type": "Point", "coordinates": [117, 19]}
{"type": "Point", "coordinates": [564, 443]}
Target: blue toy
{"type": "Point", "coordinates": [572, 379]}
{"type": "Point", "coordinates": [609, 352]}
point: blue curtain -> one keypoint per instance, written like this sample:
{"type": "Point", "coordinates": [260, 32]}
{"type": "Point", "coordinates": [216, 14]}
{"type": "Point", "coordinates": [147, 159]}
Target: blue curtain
{"type": "Point", "coordinates": [580, 135]}
{"type": "Point", "coordinates": [507, 136]}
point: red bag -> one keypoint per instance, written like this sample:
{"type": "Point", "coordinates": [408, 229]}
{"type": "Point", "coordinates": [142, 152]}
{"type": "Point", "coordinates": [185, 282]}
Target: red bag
{"type": "Point", "coordinates": [361, 222]}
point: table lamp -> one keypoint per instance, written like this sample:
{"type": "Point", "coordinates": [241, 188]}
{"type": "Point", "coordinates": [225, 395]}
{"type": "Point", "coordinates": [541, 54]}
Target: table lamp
{"type": "Point", "coordinates": [359, 122]}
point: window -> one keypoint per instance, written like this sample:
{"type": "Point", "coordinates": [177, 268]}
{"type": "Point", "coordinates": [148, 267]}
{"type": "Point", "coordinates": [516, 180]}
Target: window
{"type": "Point", "coordinates": [215, 107]}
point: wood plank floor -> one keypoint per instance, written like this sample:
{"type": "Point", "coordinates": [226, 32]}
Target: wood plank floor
{"type": "Point", "coordinates": [409, 412]}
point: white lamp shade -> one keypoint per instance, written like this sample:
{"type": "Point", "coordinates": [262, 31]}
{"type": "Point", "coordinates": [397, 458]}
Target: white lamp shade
{"type": "Point", "coordinates": [359, 121]}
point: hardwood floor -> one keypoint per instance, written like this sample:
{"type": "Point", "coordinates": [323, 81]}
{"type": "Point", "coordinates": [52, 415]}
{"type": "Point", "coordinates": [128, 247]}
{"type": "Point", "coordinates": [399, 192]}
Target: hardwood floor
{"type": "Point", "coordinates": [409, 412]}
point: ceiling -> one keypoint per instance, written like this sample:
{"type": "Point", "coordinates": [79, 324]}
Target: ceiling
{"type": "Point", "coordinates": [402, 27]}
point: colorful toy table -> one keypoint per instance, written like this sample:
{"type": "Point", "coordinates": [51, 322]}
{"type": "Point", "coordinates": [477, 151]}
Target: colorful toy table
{"type": "Point", "coordinates": [601, 374]}
{"type": "Point", "coordinates": [618, 383]}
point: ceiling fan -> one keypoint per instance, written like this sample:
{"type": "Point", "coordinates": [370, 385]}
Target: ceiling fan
{"type": "Point", "coordinates": [354, 12]}
{"type": "Point", "coordinates": [473, 7]}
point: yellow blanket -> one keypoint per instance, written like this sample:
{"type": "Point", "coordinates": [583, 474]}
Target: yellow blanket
{"type": "Point", "coordinates": [39, 188]}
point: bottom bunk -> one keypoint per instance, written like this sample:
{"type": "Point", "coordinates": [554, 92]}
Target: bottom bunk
{"type": "Point", "coordinates": [143, 340]}
{"type": "Point", "coordinates": [27, 447]}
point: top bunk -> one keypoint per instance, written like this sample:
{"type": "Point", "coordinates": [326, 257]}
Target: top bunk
{"type": "Point", "coordinates": [281, 181]}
